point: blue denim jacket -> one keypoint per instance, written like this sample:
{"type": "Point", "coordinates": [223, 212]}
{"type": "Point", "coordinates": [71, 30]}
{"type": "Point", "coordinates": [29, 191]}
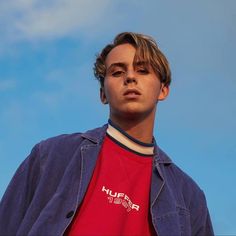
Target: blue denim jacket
{"type": "Point", "coordinates": [50, 184]}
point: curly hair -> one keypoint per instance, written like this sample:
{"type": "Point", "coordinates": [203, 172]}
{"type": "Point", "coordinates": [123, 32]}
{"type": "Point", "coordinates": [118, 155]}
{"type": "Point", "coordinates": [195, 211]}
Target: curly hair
{"type": "Point", "coordinates": [146, 50]}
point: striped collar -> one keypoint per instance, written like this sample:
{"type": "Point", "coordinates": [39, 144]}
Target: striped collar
{"type": "Point", "coordinates": [125, 139]}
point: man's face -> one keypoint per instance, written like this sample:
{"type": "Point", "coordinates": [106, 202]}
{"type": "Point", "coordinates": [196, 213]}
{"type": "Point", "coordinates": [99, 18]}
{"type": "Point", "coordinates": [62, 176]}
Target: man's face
{"type": "Point", "coordinates": [131, 89]}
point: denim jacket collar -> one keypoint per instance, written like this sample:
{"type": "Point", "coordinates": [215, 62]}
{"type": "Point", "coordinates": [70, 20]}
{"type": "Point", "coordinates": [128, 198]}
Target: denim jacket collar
{"type": "Point", "coordinates": [96, 136]}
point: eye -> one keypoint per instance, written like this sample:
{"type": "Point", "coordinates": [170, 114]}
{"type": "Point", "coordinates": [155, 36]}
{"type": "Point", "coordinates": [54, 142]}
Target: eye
{"type": "Point", "coordinates": [117, 73]}
{"type": "Point", "coordinates": [143, 71]}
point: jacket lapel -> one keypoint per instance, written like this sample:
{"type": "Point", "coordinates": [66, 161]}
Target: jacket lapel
{"type": "Point", "coordinates": [89, 152]}
{"type": "Point", "coordinates": [163, 207]}
{"type": "Point", "coordinates": [89, 156]}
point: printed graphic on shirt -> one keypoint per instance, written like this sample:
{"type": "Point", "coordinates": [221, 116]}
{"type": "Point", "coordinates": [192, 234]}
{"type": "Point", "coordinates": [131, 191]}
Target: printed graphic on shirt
{"type": "Point", "coordinates": [120, 199]}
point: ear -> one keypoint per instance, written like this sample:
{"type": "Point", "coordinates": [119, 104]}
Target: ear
{"type": "Point", "coordinates": [103, 96]}
{"type": "Point", "coordinates": [164, 91]}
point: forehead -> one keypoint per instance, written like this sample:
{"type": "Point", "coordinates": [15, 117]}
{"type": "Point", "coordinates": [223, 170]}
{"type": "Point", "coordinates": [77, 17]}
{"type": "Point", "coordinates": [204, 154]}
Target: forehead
{"type": "Point", "coordinates": [123, 53]}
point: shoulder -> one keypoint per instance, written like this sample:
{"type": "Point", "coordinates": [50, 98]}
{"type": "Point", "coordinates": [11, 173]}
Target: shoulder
{"type": "Point", "coordinates": [60, 143]}
{"type": "Point", "coordinates": [56, 152]}
{"type": "Point", "coordinates": [66, 143]}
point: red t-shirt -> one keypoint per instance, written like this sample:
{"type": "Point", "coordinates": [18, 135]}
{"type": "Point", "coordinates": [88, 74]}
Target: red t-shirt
{"type": "Point", "coordinates": [117, 198]}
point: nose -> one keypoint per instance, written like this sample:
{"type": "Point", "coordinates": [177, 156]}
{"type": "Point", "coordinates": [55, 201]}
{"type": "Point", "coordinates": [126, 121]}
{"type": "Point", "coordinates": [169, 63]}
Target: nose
{"type": "Point", "coordinates": [130, 78]}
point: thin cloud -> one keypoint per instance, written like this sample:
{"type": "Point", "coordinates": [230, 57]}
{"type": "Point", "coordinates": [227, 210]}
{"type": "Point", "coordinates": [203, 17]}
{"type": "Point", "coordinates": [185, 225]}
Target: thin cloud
{"type": "Point", "coordinates": [67, 86]}
{"type": "Point", "coordinates": [7, 84]}
{"type": "Point", "coordinates": [32, 19]}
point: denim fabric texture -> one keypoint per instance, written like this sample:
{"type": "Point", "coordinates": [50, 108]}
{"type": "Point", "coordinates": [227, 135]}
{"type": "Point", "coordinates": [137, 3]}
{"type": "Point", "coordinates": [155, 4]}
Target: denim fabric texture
{"type": "Point", "coordinates": [49, 186]}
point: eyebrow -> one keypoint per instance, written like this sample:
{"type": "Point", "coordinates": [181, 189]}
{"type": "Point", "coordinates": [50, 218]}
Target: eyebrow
{"type": "Point", "coordinates": [124, 65]}
{"type": "Point", "coordinates": [117, 64]}
{"type": "Point", "coordinates": [141, 63]}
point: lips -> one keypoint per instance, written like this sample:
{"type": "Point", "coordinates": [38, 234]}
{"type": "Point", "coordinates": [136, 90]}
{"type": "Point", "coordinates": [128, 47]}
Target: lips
{"type": "Point", "coordinates": [130, 92]}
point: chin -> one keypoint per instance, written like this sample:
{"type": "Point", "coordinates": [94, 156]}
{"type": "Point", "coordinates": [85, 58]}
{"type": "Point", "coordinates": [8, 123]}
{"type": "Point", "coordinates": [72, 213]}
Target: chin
{"type": "Point", "coordinates": [132, 114]}
{"type": "Point", "coordinates": [132, 111]}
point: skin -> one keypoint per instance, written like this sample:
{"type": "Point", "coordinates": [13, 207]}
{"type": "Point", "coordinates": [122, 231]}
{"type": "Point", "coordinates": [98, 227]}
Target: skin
{"type": "Point", "coordinates": [133, 112]}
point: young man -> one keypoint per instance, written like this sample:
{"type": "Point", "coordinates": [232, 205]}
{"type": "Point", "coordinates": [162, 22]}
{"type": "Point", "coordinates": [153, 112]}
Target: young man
{"type": "Point", "coordinates": [112, 180]}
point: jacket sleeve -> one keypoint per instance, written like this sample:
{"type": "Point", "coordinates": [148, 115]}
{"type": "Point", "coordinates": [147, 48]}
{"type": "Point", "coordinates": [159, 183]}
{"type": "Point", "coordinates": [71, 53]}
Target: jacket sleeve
{"type": "Point", "coordinates": [19, 194]}
{"type": "Point", "coordinates": [200, 218]}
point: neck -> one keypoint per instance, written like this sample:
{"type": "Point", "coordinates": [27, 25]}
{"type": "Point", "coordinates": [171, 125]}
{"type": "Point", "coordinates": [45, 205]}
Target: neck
{"type": "Point", "coordinates": [140, 129]}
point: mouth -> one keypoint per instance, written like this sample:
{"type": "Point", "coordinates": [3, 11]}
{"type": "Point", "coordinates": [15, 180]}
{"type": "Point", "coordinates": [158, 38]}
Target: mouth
{"type": "Point", "coordinates": [132, 93]}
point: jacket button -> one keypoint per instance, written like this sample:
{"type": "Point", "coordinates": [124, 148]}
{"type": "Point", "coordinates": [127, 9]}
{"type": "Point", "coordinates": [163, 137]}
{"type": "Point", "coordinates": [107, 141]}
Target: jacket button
{"type": "Point", "coordinates": [69, 214]}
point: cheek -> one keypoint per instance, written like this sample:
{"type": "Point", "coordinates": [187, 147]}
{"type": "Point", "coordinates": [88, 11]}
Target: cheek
{"type": "Point", "coordinates": [153, 91]}
{"type": "Point", "coordinates": [110, 90]}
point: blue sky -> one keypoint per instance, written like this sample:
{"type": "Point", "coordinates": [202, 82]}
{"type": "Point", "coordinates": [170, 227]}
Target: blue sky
{"type": "Point", "coordinates": [47, 87]}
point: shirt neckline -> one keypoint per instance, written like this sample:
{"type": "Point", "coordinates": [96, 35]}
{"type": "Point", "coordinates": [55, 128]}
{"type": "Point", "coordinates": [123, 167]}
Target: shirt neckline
{"type": "Point", "coordinates": [125, 139]}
